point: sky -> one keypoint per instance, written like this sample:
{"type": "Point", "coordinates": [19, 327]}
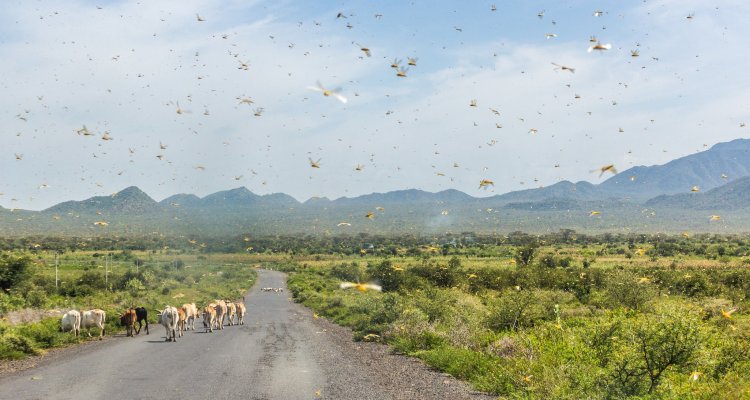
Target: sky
{"type": "Point", "coordinates": [168, 83]}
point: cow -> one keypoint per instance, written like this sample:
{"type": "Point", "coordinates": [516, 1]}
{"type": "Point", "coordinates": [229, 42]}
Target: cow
{"type": "Point", "coordinates": [169, 318]}
{"type": "Point", "coordinates": [240, 313]}
{"type": "Point", "coordinates": [71, 321]}
{"type": "Point", "coordinates": [94, 318]}
{"type": "Point", "coordinates": [209, 317]}
{"type": "Point", "coordinates": [128, 320]}
{"type": "Point", "coordinates": [231, 311]}
{"type": "Point", "coordinates": [181, 321]}
{"type": "Point", "coordinates": [221, 312]}
{"type": "Point", "coordinates": [191, 314]}
{"type": "Point", "coordinates": [142, 315]}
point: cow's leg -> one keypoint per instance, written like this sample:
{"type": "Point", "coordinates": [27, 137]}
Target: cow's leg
{"type": "Point", "coordinates": [138, 329]}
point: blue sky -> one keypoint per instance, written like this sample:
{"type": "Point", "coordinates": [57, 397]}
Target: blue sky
{"type": "Point", "coordinates": [122, 67]}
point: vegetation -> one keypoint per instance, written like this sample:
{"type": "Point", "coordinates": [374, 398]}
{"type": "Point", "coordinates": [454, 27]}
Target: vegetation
{"type": "Point", "coordinates": [614, 319]}
{"type": "Point", "coordinates": [562, 315]}
{"type": "Point", "coordinates": [112, 281]}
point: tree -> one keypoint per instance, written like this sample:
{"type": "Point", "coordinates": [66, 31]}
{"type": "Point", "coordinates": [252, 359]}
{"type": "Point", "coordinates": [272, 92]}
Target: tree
{"type": "Point", "coordinates": [14, 270]}
{"type": "Point", "coordinates": [650, 345]}
{"type": "Point", "coordinates": [525, 255]}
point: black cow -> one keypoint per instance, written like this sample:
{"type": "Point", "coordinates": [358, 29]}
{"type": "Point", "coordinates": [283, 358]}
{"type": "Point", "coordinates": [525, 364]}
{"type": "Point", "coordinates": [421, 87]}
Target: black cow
{"type": "Point", "coordinates": [142, 315]}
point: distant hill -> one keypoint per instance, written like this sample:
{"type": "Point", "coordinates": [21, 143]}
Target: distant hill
{"type": "Point", "coordinates": [562, 190]}
{"type": "Point", "coordinates": [412, 196]}
{"type": "Point", "coordinates": [657, 199]}
{"type": "Point", "coordinates": [704, 169]}
{"type": "Point", "coordinates": [131, 200]}
{"type": "Point", "coordinates": [734, 195]}
{"type": "Point", "coordinates": [187, 200]}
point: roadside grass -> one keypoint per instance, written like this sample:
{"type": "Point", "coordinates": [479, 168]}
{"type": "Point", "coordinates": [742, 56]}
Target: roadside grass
{"type": "Point", "coordinates": [625, 329]}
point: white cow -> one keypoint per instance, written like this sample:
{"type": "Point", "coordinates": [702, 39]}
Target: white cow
{"type": "Point", "coordinates": [71, 321]}
{"type": "Point", "coordinates": [191, 313]}
{"type": "Point", "coordinates": [94, 318]}
{"type": "Point", "coordinates": [240, 313]}
{"type": "Point", "coordinates": [169, 318]}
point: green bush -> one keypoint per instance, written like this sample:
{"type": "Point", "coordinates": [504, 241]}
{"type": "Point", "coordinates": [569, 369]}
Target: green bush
{"type": "Point", "coordinates": [14, 346]}
{"type": "Point", "coordinates": [37, 298]}
{"type": "Point", "coordinates": [388, 277]}
{"type": "Point", "coordinates": [512, 310]}
{"type": "Point", "coordinates": [351, 272]}
{"type": "Point", "coordinates": [443, 276]}
{"type": "Point", "coordinates": [626, 289]}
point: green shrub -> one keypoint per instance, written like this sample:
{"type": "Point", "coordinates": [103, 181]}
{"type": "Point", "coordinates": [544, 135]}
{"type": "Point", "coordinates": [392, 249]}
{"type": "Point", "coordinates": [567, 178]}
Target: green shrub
{"type": "Point", "coordinates": [384, 273]}
{"type": "Point", "coordinates": [351, 272]}
{"type": "Point", "coordinates": [625, 289]}
{"type": "Point", "coordinates": [36, 298]}
{"type": "Point", "coordinates": [14, 346]}
{"type": "Point", "coordinates": [511, 310]}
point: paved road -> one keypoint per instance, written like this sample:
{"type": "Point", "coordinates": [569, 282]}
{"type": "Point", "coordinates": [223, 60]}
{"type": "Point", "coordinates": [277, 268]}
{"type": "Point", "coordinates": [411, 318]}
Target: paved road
{"type": "Point", "coordinates": [243, 361]}
{"type": "Point", "coordinates": [281, 353]}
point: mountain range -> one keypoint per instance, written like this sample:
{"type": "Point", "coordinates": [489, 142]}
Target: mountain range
{"type": "Point", "coordinates": [681, 194]}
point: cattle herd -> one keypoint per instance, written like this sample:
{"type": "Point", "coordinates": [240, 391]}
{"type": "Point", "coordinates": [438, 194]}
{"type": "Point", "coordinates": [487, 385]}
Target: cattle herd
{"type": "Point", "coordinates": [175, 320]}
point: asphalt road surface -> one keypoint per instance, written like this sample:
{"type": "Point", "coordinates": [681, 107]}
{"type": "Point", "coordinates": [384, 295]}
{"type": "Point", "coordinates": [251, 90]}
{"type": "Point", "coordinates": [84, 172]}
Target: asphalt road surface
{"type": "Point", "coordinates": [280, 353]}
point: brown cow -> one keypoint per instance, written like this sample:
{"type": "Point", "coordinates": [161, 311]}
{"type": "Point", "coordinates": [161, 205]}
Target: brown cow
{"type": "Point", "coordinates": [128, 320]}
{"type": "Point", "coordinates": [181, 321]}
{"type": "Point", "coordinates": [231, 311]}
{"type": "Point", "coordinates": [221, 313]}
{"type": "Point", "coordinates": [209, 317]}
{"type": "Point", "coordinates": [191, 313]}
{"type": "Point", "coordinates": [240, 313]}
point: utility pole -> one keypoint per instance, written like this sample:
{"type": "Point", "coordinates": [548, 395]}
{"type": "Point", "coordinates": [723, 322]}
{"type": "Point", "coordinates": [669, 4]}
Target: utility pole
{"type": "Point", "coordinates": [106, 272]}
{"type": "Point", "coordinates": [56, 266]}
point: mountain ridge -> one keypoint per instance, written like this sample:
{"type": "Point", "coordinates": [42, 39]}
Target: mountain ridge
{"type": "Point", "coordinates": [717, 172]}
